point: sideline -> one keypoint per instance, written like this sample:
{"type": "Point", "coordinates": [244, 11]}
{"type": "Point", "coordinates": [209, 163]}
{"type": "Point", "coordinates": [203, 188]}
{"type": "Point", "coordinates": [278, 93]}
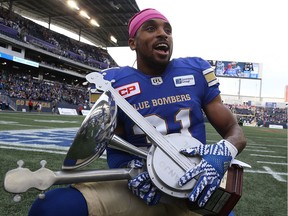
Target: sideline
{"type": "Point", "coordinates": [103, 156]}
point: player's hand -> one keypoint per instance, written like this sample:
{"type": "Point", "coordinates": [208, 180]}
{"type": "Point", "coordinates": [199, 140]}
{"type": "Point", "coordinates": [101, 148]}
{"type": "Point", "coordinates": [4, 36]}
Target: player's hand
{"type": "Point", "coordinates": [215, 161]}
{"type": "Point", "coordinates": [143, 187]}
{"type": "Point", "coordinates": [137, 164]}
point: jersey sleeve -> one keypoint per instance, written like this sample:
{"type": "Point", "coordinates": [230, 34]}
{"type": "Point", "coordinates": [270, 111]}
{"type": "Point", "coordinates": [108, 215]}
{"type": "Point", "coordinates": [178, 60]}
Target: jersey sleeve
{"type": "Point", "coordinates": [212, 88]}
{"type": "Point", "coordinates": [207, 71]}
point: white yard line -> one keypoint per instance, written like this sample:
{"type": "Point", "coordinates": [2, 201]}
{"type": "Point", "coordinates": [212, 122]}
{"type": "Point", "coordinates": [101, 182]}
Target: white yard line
{"type": "Point", "coordinates": [103, 156]}
{"type": "Point", "coordinates": [275, 175]}
{"type": "Point", "coordinates": [274, 146]}
{"type": "Point", "coordinates": [255, 147]}
{"type": "Point", "coordinates": [33, 149]}
{"type": "Point", "coordinates": [264, 172]}
{"type": "Point", "coordinates": [272, 163]}
{"type": "Point", "coordinates": [258, 150]}
{"type": "Point", "coordinates": [267, 156]}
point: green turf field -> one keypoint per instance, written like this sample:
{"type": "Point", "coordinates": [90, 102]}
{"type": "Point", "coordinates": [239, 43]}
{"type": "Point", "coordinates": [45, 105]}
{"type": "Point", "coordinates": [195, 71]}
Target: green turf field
{"type": "Point", "coordinates": [265, 184]}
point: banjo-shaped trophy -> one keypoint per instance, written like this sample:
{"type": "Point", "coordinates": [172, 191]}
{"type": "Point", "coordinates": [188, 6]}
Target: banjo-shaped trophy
{"type": "Point", "coordinates": [165, 163]}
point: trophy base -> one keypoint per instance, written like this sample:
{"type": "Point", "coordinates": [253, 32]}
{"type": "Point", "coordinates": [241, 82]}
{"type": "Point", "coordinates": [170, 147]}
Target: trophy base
{"type": "Point", "coordinates": [224, 199]}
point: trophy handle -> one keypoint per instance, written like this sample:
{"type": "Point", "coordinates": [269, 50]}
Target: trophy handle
{"type": "Point", "coordinates": [120, 144]}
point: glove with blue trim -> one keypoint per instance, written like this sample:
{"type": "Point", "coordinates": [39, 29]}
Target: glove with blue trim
{"type": "Point", "coordinates": [216, 159]}
{"type": "Point", "coordinates": [142, 185]}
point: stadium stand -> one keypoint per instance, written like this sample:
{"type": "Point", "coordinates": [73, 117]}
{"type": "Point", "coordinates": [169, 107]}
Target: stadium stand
{"type": "Point", "coordinates": [259, 116]}
{"type": "Point", "coordinates": [22, 29]}
{"type": "Point", "coordinates": [63, 64]}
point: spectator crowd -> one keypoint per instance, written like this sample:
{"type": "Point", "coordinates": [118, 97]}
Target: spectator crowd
{"type": "Point", "coordinates": [259, 115]}
{"type": "Point", "coordinates": [25, 30]}
{"type": "Point", "coordinates": [23, 86]}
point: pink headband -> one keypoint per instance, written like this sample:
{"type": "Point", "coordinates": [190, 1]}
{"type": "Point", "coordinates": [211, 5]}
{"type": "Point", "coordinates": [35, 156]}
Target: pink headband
{"type": "Point", "coordinates": [138, 19]}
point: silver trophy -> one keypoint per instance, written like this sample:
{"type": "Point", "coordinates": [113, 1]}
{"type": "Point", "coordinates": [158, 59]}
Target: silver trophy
{"type": "Point", "coordinates": [96, 133]}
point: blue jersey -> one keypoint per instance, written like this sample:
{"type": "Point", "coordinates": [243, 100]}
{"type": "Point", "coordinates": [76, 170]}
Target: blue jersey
{"type": "Point", "coordinates": [172, 102]}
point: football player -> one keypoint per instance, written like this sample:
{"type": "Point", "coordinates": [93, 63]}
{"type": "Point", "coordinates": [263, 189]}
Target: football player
{"type": "Point", "coordinates": [172, 94]}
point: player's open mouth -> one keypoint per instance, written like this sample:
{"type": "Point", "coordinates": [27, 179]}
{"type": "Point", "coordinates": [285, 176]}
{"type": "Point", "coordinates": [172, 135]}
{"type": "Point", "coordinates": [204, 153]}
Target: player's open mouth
{"type": "Point", "coordinates": [162, 48]}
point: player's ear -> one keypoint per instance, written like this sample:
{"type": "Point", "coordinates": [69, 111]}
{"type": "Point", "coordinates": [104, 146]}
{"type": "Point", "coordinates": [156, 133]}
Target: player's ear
{"type": "Point", "coordinates": [132, 43]}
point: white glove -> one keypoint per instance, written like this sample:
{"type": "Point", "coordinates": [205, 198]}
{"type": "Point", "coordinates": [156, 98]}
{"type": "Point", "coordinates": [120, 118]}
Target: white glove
{"type": "Point", "coordinates": [142, 185]}
{"type": "Point", "coordinates": [215, 161]}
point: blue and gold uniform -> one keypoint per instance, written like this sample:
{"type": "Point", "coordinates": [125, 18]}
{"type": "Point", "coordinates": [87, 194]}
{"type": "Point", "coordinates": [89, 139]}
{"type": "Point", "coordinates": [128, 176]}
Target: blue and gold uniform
{"type": "Point", "coordinates": [171, 102]}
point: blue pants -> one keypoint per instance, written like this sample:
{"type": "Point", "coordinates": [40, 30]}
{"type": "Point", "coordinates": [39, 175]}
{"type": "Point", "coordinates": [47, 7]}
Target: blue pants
{"type": "Point", "coordinates": [60, 202]}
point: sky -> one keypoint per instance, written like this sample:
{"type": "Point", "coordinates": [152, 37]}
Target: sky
{"type": "Point", "coordinates": [228, 30]}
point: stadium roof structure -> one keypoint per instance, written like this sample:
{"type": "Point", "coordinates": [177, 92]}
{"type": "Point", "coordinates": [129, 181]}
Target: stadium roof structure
{"type": "Point", "coordinates": [112, 16]}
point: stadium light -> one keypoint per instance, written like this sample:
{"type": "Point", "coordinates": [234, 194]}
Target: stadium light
{"type": "Point", "coordinates": [113, 39]}
{"type": "Point", "coordinates": [73, 4]}
{"type": "Point", "coordinates": [94, 22]}
{"type": "Point", "coordinates": [84, 14]}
